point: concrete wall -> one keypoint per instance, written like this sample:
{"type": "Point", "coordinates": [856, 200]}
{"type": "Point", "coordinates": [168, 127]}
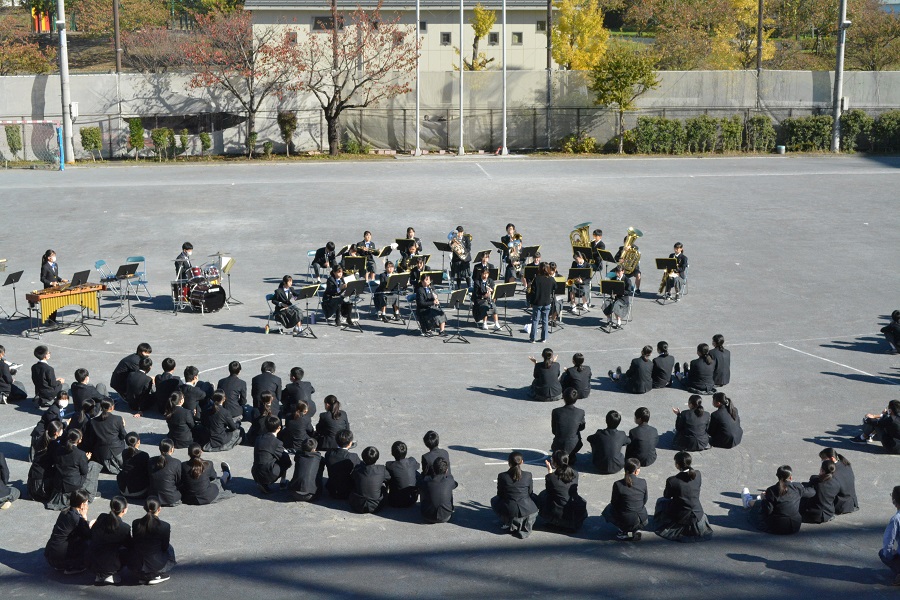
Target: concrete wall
{"type": "Point", "coordinates": [166, 100]}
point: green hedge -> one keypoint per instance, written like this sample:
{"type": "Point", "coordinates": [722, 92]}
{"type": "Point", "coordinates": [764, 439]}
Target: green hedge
{"type": "Point", "coordinates": [886, 132]}
{"type": "Point", "coordinates": [807, 134]}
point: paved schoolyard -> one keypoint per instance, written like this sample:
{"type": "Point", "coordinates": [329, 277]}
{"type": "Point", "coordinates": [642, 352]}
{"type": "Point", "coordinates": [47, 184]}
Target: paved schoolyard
{"type": "Point", "coordinates": [794, 259]}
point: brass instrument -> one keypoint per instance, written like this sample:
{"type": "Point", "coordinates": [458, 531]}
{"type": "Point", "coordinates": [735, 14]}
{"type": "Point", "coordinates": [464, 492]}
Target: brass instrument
{"type": "Point", "coordinates": [630, 257]}
{"type": "Point", "coordinates": [579, 236]}
{"type": "Point", "coordinates": [570, 282]}
{"type": "Point", "coordinates": [456, 245]}
{"type": "Point", "coordinates": [667, 274]}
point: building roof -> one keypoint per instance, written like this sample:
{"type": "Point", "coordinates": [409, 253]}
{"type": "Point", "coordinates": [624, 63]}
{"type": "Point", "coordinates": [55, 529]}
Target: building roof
{"type": "Point", "coordinates": [346, 5]}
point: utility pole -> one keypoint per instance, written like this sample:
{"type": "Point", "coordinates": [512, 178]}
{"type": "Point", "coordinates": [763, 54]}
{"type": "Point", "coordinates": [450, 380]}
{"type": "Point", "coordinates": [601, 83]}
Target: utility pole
{"type": "Point", "coordinates": [759, 38]}
{"type": "Point", "coordinates": [503, 149]}
{"type": "Point", "coordinates": [116, 37]}
{"type": "Point", "coordinates": [68, 147]}
{"type": "Point", "coordinates": [462, 68]}
{"type": "Point", "coordinates": [843, 24]}
{"type": "Point", "coordinates": [418, 38]}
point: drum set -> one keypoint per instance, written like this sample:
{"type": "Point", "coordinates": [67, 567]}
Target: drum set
{"type": "Point", "coordinates": [199, 288]}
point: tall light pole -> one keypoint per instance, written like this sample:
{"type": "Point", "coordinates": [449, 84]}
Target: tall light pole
{"type": "Point", "coordinates": [117, 37]}
{"type": "Point", "coordinates": [843, 24]}
{"type": "Point", "coordinates": [462, 67]}
{"type": "Point", "coordinates": [418, 150]}
{"type": "Point", "coordinates": [503, 149]}
{"type": "Point", "coordinates": [68, 147]}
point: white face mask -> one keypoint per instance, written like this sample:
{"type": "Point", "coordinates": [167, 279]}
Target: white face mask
{"type": "Point", "coordinates": [188, 252]}
{"type": "Point", "coordinates": [63, 403]}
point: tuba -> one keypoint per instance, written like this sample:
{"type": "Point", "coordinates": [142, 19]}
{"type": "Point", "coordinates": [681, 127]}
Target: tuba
{"type": "Point", "coordinates": [458, 248]}
{"type": "Point", "coordinates": [579, 236]}
{"type": "Point", "coordinates": [630, 257]}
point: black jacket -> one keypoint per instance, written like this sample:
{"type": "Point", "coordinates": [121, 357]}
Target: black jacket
{"type": "Point", "coordinates": [150, 550]}
{"type": "Point", "coordinates": [722, 372]}
{"type": "Point", "coordinates": [71, 466]}
{"type": "Point", "coordinates": [889, 426]}
{"type": "Point", "coordinates": [560, 502]}
{"type": "Point", "coordinates": [404, 477]}
{"type": "Point", "coordinates": [516, 496]}
{"type": "Point", "coordinates": [194, 398]}
{"type": "Point", "coordinates": [46, 387]}
{"type": "Point", "coordinates": [120, 373]}
{"type": "Point", "coordinates": [725, 432]}
{"type": "Point", "coordinates": [432, 455]}
{"type": "Point", "coordinates": [542, 290]}
{"type": "Point", "coordinates": [166, 384]}
{"type": "Point", "coordinates": [638, 379]}
{"type": "Point", "coordinates": [629, 504]}
{"type": "Point", "coordinates": [691, 431]}
{"type": "Point", "coordinates": [49, 274]}
{"type": "Point", "coordinates": [201, 490]}
{"type": "Point", "coordinates": [220, 425]}
{"type": "Point", "coordinates": [328, 427]}
{"type": "Point", "coordinates": [644, 439]}
{"type": "Point", "coordinates": [5, 490]}
{"type": "Point", "coordinates": [268, 452]}
{"type": "Point", "coordinates": [606, 450]}
{"type": "Point", "coordinates": [307, 478]}
{"type": "Point", "coordinates": [546, 381]}
{"type": "Point", "coordinates": [662, 371]}
{"type": "Point", "coordinates": [295, 391]}
{"type": "Point", "coordinates": [684, 494]}
{"type": "Point", "coordinates": [108, 547]}
{"type": "Point", "coordinates": [846, 501]}
{"type": "Point", "coordinates": [181, 427]}
{"type": "Point", "coordinates": [70, 533]}
{"type": "Point", "coordinates": [105, 437]}
{"type": "Point", "coordinates": [79, 392]}
{"type": "Point", "coordinates": [781, 514]}
{"type": "Point", "coordinates": [235, 390]}
{"type": "Point", "coordinates": [138, 390]}
{"type": "Point", "coordinates": [340, 464]}
{"type": "Point", "coordinates": [820, 507]}
{"type": "Point", "coordinates": [135, 474]}
{"type": "Point", "coordinates": [369, 486]}
{"type": "Point", "coordinates": [701, 375]}
{"type": "Point", "coordinates": [436, 497]}
{"type": "Point", "coordinates": [580, 380]}
{"type": "Point", "coordinates": [266, 382]}
{"type": "Point", "coordinates": [296, 431]}
{"type": "Point", "coordinates": [165, 481]}
{"type": "Point", "coordinates": [566, 423]}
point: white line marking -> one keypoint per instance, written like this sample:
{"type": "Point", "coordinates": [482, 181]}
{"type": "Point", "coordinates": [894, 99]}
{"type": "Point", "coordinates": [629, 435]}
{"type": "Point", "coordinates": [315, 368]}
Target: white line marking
{"type": "Point", "coordinates": [488, 175]}
{"type": "Point", "coordinates": [247, 360]}
{"type": "Point", "coordinates": [840, 365]}
{"type": "Point", "coordinates": [11, 433]}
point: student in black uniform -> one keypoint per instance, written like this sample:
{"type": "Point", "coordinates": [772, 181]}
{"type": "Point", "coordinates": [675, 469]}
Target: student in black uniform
{"type": "Point", "coordinates": [285, 311]}
{"type": "Point", "coordinates": [483, 265]}
{"type": "Point", "coordinates": [698, 378]}
{"type": "Point", "coordinates": [42, 481]}
{"type": "Point", "coordinates": [627, 508]}
{"type": "Point", "coordinates": [722, 356]}
{"type": "Point", "coordinates": [540, 298]}
{"type": "Point", "coordinates": [692, 426]}
{"type": "Point", "coordinates": [367, 248]}
{"type": "Point", "coordinates": [545, 386]}
{"type": "Point", "coordinates": [577, 376]}
{"type": "Point", "coordinates": [180, 421]}
{"type": "Point", "coordinates": [428, 308]}
{"type": "Point", "coordinates": [266, 381]}
{"type": "Point", "coordinates": [74, 468]}
{"type": "Point", "coordinates": [846, 501]}
{"type": "Point", "coordinates": [58, 411]}
{"type": "Point", "coordinates": [436, 493]}
{"type": "Point", "coordinates": [636, 274]}
{"type": "Point", "coordinates": [8, 494]}
{"type": "Point", "coordinates": [9, 392]}
{"type": "Point", "coordinates": [381, 293]}
{"type": "Point", "coordinates": [194, 395]}
{"type": "Point", "coordinates": [643, 439]}
{"type": "Point", "coordinates": [152, 555]}
{"type": "Point", "coordinates": [66, 549]}
{"type": "Point", "coordinates": [777, 511]}
{"type": "Point", "coordinates": [296, 391]}
{"type": "Point", "coordinates": [461, 264]}
{"type": "Point", "coordinates": [235, 390]}
{"type": "Point", "coordinates": [183, 261]}
{"type": "Point", "coordinates": [119, 377]}
{"type": "Point", "coordinates": [606, 446]}
{"type": "Point", "coordinates": [331, 421]}
{"type": "Point", "coordinates": [820, 507]}
{"type": "Point", "coordinates": [515, 499]}
{"type": "Point", "coordinates": [81, 419]}
{"type": "Point", "coordinates": [306, 482]}
{"type": "Point", "coordinates": [662, 367]}
{"type": "Point", "coordinates": [885, 426]}
{"type": "Point", "coordinates": [297, 428]}
{"type": "Point", "coordinates": [639, 377]}
{"type": "Point", "coordinates": [139, 387]}
{"type": "Point", "coordinates": [404, 471]}
{"type": "Point", "coordinates": [46, 384]}
{"type": "Point", "coordinates": [579, 293]}
{"type": "Point", "coordinates": [335, 303]}
{"type": "Point", "coordinates": [724, 423]}
{"type": "Point", "coordinates": [83, 390]}
{"type": "Point", "coordinates": [166, 383]}
{"type": "Point", "coordinates": [677, 282]}
{"type": "Point", "coordinates": [110, 543]}
{"type": "Point", "coordinates": [618, 308]}
{"type": "Point", "coordinates": [258, 418]}
{"type": "Point", "coordinates": [509, 241]}
{"type": "Point", "coordinates": [482, 300]}
{"type": "Point", "coordinates": [370, 483]}
{"type": "Point", "coordinates": [891, 333]}
{"type": "Point", "coordinates": [415, 272]}
{"type": "Point", "coordinates": [597, 244]}
{"type": "Point", "coordinates": [566, 424]}
{"type": "Point", "coordinates": [165, 475]}
{"type": "Point", "coordinates": [324, 259]}
{"type": "Point", "coordinates": [50, 276]}
{"type": "Point", "coordinates": [560, 505]}
{"type": "Point", "coordinates": [679, 515]}
{"type": "Point", "coordinates": [106, 438]}
{"type": "Point", "coordinates": [224, 433]}
{"type": "Point", "coordinates": [270, 461]}
{"type": "Point", "coordinates": [134, 478]}
{"type": "Point", "coordinates": [432, 441]}
{"type": "Point", "coordinates": [200, 484]}
{"type": "Point", "coordinates": [340, 463]}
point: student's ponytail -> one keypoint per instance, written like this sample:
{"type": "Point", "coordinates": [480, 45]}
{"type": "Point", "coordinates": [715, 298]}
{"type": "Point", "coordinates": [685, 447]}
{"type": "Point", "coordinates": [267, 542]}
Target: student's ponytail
{"type": "Point", "coordinates": [683, 461]}
{"type": "Point", "coordinates": [631, 467]}
{"type": "Point", "coordinates": [578, 361]}
{"type": "Point", "coordinates": [515, 465]}
{"type": "Point", "coordinates": [149, 521]}
{"type": "Point", "coordinates": [703, 352]}
{"type": "Point", "coordinates": [72, 439]}
{"type": "Point", "coordinates": [335, 405]}
{"type": "Point", "coordinates": [547, 355]}
{"type": "Point", "coordinates": [828, 469]}
{"type": "Point", "coordinates": [696, 402]}
{"type": "Point", "coordinates": [833, 455]}
{"type": "Point", "coordinates": [174, 399]}
{"type": "Point", "coordinates": [719, 341]}
{"type": "Point", "coordinates": [564, 472]}
{"type": "Point", "coordinates": [50, 433]}
{"type": "Point", "coordinates": [165, 446]}
{"type": "Point", "coordinates": [784, 474]}
{"type": "Point", "coordinates": [663, 348]}
{"type": "Point", "coordinates": [196, 463]}
{"type": "Point", "coordinates": [721, 398]}
{"type": "Point", "coordinates": [131, 439]}
{"type": "Point", "coordinates": [117, 506]}
{"type": "Point", "coordinates": [218, 400]}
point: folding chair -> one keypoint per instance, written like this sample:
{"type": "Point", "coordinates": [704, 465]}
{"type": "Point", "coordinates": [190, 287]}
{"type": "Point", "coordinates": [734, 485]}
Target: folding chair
{"type": "Point", "coordinates": [140, 276]}
{"type": "Point", "coordinates": [310, 255]}
{"type": "Point", "coordinates": [107, 277]}
{"type": "Point", "coordinates": [271, 307]}
{"type": "Point", "coordinates": [413, 316]}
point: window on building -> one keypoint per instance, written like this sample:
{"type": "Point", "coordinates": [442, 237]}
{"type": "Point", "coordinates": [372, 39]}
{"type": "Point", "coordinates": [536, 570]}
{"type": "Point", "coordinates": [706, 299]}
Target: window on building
{"type": "Point", "coordinates": [445, 38]}
{"type": "Point", "coordinates": [292, 38]}
{"type": "Point", "coordinates": [493, 38]}
{"type": "Point", "coordinates": [325, 23]}
{"type": "Point", "coordinates": [423, 26]}
{"type": "Point", "coordinates": [541, 26]}
{"type": "Point", "coordinates": [517, 38]}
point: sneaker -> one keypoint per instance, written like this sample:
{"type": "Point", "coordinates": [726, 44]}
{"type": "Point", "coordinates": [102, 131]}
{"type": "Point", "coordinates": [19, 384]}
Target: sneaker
{"type": "Point", "coordinates": [532, 341]}
{"type": "Point", "coordinates": [685, 368]}
{"type": "Point", "coordinates": [622, 536]}
{"type": "Point", "coordinates": [746, 498]}
{"type": "Point", "coordinates": [74, 571]}
{"type": "Point", "coordinates": [611, 375]}
{"type": "Point", "coordinates": [157, 579]}
{"type": "Point", "coordinates": [615, 325]}
{"type": "Point", "coordinates": [636, 536]}
{"type": "Point", "coordinates": [637, 292]}
{"type": "Point", "coordinates": [108, 580]}
{"type": "Point", "coordinates": [498, 326]}
{"type": "Point", "coordinates": [6, 505]}
{"type": "Point", "coordinates": [618, 372]}
{"type": "Point", "coordinates": [675, 299]}
{"type": "Point", "coordinates": [861, 439]}
{"type": "Point", "coordinates": [482, 325]}
{"type": "Point", "coordinates": [225, 468]}
{"type": "Point", "coordinates": [677, 368]}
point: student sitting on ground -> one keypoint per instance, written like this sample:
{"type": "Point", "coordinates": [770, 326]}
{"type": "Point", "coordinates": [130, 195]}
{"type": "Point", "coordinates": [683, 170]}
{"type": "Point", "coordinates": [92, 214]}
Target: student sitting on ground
{"type": "Point", "coordinates": [885, 427]}
{"type": "Point", "coordinates": [679, 515]}
{"type": "Point", "coordinates": [306, 483]}
{"type": "Point", "coordinates": [134, 478]}
{"type": "Point", "coordinates": [369, 483]}
{"type": "Point", "coordinates": [404, 470]}
{"type": "Point", "coordinates": [436, 493]}
{"type": "Point", "coordinates": [577, 376]}
{"type": "Point", "coordinates": [515, 499]}
{"type": "Point", "coordinates": [845, 502]}
{"type": "Point", "coordinates": [66, 549]}
{"type": "Point", "coordinates": [724, 423]}
{"type": "Point", "coordinates": [560, 505]}
{"type": "Point", "coordinates": [110, 543]}
{"type": "Point", "coordinates": [567, 423]}
{"type": "Point", "coordinates": [606, 446]}
{"type": "Point", "coordinates": [643, 439]}
{"type": "Point", "coordinates": [777, 511]}
{"type": "Point", "coordinates": [200, 484]}
{"type": "Point", "coordinates": [639, 377]}
{"type": "Point", "coordinates": [432, 441]}
{"type": "Point", "coordinates": [224, 434]}
{"type": "Point", "coordinates": [691, 426]}
{"type": "Point", "coordinates": [270, 461]}
{"type": "Point", "coordinates": [820, 507]}
{"type": "Point", "coordinates": [152, 555]}
{"type": "Point", "coordinates": [340, 463]}
{"type": "Point", "coordinates": [165, 475]}
{"type": "Point", "coordinates": [627, 508]}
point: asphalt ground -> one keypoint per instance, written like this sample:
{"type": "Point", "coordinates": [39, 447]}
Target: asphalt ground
{"type": "Point", "coordinates": [793, 259]}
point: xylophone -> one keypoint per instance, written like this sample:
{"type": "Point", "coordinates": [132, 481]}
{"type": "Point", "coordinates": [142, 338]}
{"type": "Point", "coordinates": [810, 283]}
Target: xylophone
{"type": "Point", "coordinates": [53, 299]}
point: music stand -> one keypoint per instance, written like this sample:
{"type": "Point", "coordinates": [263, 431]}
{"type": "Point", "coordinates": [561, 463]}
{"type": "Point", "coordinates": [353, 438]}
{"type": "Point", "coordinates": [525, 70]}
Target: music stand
{"type": "Point", "coordinates": [396, 283]}
{"type": "Point", "coordinates": [305, 293]}
{"type": "Point", "coordinates": [481, 255]}
{"type": "Point", "coordinates": [456, 299]}
{"type": "Point", "coordinates": [123, 274]}
{"type": "Point", "coordinates": [611, 288]}
{"type": "Point", "coordinates": [528, 252]}
{"type": "Point", "coordinates": [494, 273]}
{"type": "Point", "coordinates": [12, 279]}
{"type": "Point", "coordinates": [352, 293]}
{"type": "Point", "coordinates": [227, 265]}
{"type": "Point", "coordinates": [586, 251]}
{"type": "Point", "coordinates": [443, 247]}
{"type": "Point", "coordinates": [503, 291]}
{"type": "Point", "coordinates": [502, 248]}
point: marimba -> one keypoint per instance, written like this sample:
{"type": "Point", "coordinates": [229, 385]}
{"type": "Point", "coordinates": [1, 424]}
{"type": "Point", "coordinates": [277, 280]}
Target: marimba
{"type": "Point", "coordinates": [53, 299]}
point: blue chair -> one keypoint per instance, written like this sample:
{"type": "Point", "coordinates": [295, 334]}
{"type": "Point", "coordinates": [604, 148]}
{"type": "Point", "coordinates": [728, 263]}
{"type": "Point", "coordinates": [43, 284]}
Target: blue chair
{"type": "Point", "coordinates": [107, 277]}
{"type": "Point", "coordinates": [140, 276]}
{"type": "Point", "coordinates": [310, 255]}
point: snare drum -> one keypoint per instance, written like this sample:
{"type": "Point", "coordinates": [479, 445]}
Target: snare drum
{"type": "Point", "coordinates": [193, 272]}
{"type": "Point", "coordinates": [207, 298]}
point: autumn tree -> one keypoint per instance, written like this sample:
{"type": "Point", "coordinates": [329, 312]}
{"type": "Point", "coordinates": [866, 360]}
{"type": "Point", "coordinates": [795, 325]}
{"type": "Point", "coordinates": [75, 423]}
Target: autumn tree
{"type": "Point", "coordinates": [482, 22]}
{"type": "Point", "coordinates": [19, 53]}
{"type": "Point", "coordinates": [154, 49]}
{"type": "Point", "coordinates": [873, 42]}
{"type": "Point", "coordinates": [623, 74]}
{"type": "Point", "coordinates": [578, 38]}
{"type": "Point", "coordinates": [250, 64]}
{"type": "Point", "coordinates": [356, 60]}
{"type": "Point", "coordinates": [95, 17]}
